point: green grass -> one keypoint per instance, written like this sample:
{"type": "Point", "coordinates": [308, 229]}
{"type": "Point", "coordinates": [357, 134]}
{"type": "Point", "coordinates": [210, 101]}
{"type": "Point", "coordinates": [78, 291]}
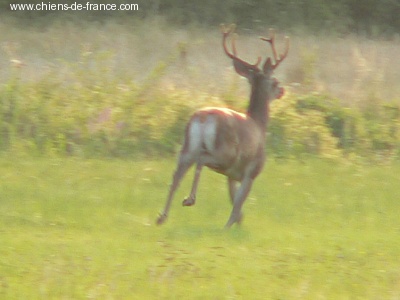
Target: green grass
{"type": "Point", "coordinates": [84, 229]}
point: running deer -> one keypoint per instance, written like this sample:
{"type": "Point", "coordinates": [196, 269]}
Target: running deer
{"type": "Point", "coordinates": [229, 142]}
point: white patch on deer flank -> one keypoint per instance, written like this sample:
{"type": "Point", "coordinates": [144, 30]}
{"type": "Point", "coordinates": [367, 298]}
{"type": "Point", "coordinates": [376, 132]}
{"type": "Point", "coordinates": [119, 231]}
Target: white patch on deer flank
{"type": "Point", "coordinates": [210, 133]}
{"type": "Point", "coordinates": [202, 135]}
{"type": "Point", "coordinates": [195, 135]}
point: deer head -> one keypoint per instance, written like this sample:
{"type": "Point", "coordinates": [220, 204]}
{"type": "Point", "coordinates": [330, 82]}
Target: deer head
{"type": "Point", "coordinates": [263, 84]}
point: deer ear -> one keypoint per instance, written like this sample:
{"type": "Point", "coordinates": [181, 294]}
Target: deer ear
{"type": "Point", "coordinates": [242, 69]}
{"type": "Point", "coordinates": [268, 67]}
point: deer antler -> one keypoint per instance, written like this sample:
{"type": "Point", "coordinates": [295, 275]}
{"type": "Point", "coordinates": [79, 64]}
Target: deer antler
{"type": "Point", "coordinates": [271, 40]}
{"type": "Point", "coordinates": [226, 31]}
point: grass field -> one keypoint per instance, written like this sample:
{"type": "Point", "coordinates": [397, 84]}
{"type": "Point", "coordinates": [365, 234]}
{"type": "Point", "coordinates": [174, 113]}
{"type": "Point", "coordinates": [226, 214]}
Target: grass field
{"type": "Point", "coordinates": [84, 229]}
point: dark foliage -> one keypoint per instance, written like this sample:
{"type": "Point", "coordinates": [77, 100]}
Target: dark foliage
{"type": "Point", "coordinates": [367, 17]}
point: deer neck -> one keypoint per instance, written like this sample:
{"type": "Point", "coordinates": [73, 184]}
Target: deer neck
{"type": "Point", "coordinates": [258, 108]}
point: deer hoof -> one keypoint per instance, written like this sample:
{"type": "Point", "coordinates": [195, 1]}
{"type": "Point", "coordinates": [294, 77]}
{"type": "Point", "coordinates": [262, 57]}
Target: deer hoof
{"type": "Point", "coordinates": [240, 219]}
{"type": "Point", "coordinates": [232, 220]}
{"type": "Point", "coordinates": [229, 224]}
{"type": "Point", "coordinates": [189, 201]}
{"type": "Point", "coordinates": [161, 219]}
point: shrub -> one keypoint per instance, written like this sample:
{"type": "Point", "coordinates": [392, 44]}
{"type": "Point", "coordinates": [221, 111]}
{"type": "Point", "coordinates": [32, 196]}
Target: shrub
{"type": "Point", "coordinates": [296, 130]}
{"type": "Point", "coordinates": [319, 124]}
{"type": "Point", "coordinates": [84, 113]}
{"type": "Point", "coordinates": [87, 111]}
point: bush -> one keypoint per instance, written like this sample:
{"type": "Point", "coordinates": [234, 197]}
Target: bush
{"type": "Point", "coordinates": [297, 129]}
{"type": "Point", "coordinates": [86, 110]}
{"type": "Point", "coordinates": [83, 113]}
{"type": "Point", "coordinates": [320, 125]}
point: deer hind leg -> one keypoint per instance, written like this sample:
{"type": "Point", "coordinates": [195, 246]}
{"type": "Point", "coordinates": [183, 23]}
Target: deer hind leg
{"type": "Point", "coordinates": [239, 198]}
{"type": "Point", "coordinates": [191, 200]}
{"type": "Point", "coordinates": [233, 187]}
{"type": "Point", "coordinates": [185, 162]}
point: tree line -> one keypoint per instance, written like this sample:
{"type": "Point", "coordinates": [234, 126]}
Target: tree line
{"type": "Point", "coordinates": [371, 18]}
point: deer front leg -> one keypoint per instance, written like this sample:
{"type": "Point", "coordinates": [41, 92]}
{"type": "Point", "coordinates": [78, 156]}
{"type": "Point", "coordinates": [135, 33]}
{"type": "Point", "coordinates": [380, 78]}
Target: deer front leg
{"type": "Point", "coordinates": [181, 170]}
{"type": "Point", "coordinates": [240, 197]}
{"type": "Point", "coordinates": [191, 200]}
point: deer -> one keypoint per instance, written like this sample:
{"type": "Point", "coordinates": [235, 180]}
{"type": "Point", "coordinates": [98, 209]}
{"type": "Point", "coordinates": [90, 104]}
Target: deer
{"type": "Point", "coordinates": [229, 142]}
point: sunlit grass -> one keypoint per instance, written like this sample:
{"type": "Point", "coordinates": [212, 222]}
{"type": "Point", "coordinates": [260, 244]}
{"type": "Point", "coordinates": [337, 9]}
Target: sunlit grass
{"type": "Point", "coordinates": [84, 229]}
{"type": "Point", "coordinates": [352, 68]}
